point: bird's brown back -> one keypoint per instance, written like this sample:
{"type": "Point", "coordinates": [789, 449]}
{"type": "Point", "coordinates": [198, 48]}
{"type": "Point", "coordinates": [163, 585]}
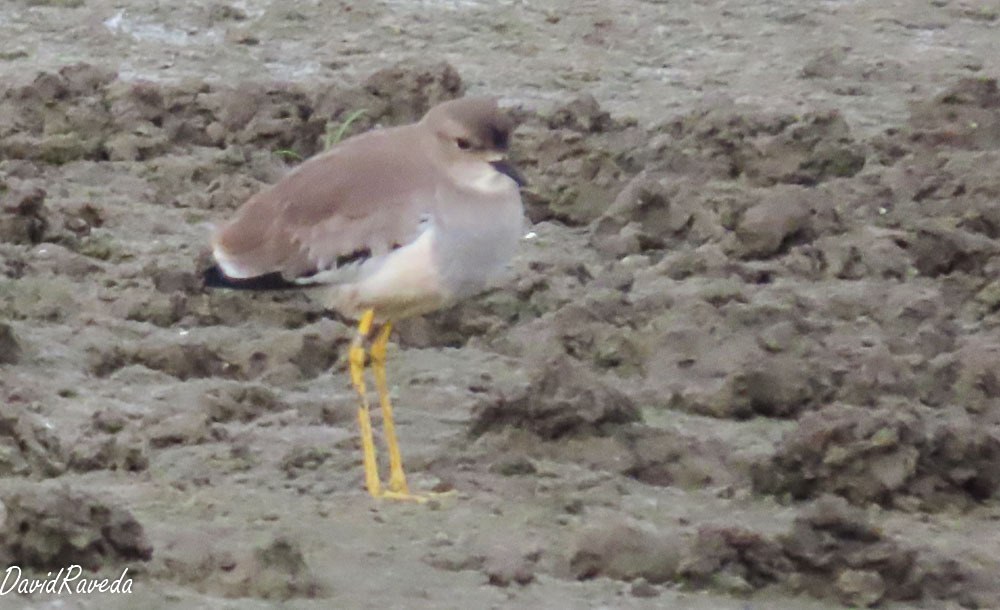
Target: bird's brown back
{"type": "Point", "coordinates": [364, 194]}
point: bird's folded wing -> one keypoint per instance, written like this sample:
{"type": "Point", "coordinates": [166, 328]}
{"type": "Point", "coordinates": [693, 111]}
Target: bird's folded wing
{"type": "Point", "coordinates": [352, 202]}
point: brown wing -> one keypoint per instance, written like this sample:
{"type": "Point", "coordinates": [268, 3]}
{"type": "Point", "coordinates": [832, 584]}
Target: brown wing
{"type": "Point", "coordinates": [366, 194]}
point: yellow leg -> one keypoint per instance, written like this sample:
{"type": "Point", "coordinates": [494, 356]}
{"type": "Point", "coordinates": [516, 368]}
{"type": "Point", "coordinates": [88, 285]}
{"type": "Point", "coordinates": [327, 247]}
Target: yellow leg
{"type": "Point", "coordinates": [356, 359]}
{"type": "Point", "coordinates": [397, 479]}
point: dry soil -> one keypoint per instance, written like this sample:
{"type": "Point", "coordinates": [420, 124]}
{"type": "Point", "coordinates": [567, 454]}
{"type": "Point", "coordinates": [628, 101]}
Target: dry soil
{"type": "Point", "coordinates": [747, 356]}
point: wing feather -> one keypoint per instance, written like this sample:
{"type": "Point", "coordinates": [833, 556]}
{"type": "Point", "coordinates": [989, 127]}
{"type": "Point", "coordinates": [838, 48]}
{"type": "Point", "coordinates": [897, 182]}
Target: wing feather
{"type": "Point", "coordinates": [368, 193]}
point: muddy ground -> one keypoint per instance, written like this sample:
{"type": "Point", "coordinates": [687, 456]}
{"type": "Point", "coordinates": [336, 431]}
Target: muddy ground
{"type": "Point", "coordinates": [746, 358]}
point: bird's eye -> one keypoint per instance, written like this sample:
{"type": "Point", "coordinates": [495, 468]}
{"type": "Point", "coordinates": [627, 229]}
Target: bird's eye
{"type": "Point", "coordinates": [463, 144]}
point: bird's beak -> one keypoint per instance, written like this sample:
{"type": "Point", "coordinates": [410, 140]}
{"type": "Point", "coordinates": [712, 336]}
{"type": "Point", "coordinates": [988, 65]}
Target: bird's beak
{"type": "Point", "coordinates": [504, 167]}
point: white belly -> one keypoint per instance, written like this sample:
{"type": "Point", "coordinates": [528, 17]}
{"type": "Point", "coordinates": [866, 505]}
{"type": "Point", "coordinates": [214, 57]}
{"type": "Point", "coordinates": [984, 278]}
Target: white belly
{"type": "Point", "coordinates": [453, 258]}
{"type": "Point", "coordinates": [402, 283]}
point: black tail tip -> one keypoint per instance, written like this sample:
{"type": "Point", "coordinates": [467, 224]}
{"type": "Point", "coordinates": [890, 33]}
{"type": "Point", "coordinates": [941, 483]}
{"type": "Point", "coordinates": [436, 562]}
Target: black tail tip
{"type": "Point", "coordinates": [213, 277]}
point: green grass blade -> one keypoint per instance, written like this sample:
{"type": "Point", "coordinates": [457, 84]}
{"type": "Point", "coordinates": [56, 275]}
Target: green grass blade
{"type": "Point", "coordinates": [333, 138]}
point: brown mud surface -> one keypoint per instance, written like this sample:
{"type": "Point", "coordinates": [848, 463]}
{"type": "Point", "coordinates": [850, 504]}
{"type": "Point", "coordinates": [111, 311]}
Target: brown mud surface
{"type": "Point", "coordinates": [747, 356]}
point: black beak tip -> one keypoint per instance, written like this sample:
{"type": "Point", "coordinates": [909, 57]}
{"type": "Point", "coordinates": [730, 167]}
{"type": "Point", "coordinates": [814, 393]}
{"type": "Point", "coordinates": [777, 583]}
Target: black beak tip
{"type": "Point", "coordinates": [505, 168]}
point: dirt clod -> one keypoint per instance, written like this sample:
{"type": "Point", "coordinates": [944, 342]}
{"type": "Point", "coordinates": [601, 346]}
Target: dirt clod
{"type": "Point", "coordinates": [10, 349]}
{"type": "Point", "coordinates": [49, 527]}
{"type": "Point", "coordinates": [22, 213]}
{"type": "Point", "coordinates": [558, 401]}
{"type": "Point", "coordinates": [29, 447]}
{"type": "Point", "coordinates": [885, 456]}
{"type": "Point", "coordinates": [626, 552]}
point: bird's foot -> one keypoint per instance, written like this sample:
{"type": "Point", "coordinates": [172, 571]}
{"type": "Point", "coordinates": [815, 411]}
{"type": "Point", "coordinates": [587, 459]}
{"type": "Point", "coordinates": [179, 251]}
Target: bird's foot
{"type": "Point", "coordinates": [404, 496]}
{"type": "Point", "coordinates": [397, 490]}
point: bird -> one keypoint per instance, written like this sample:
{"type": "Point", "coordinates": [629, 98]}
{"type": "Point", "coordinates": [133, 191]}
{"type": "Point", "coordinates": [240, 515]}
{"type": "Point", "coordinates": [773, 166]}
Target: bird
{"type": "Point", "coordinates": [392, 223]}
